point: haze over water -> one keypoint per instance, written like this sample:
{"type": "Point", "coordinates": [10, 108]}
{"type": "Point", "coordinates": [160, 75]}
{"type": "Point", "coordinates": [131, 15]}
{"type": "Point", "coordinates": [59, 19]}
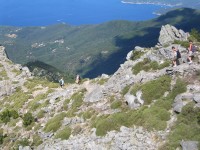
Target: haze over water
{"type": "Point", "coordinates": [74, 12]}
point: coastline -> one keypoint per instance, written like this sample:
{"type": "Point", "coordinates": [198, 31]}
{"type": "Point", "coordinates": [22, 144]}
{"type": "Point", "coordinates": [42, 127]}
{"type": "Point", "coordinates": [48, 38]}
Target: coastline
{"type": "Point", "coordinates": [151, 3]}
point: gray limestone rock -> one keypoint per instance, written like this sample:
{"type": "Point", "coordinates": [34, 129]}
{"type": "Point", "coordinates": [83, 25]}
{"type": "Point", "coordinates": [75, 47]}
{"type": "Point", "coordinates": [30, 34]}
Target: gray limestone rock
{"type": "Point", "coordinates": [131, 101]}
{"type": "Point", "coordinates": [129, 55]}
{"type": "Point", "coordinates": [178, 104]}
{"type": "Point", "coordinates": [196, 97]}
{"type": "Point", "coordinates": [189, 145]}
{"type": "Point", "coordinates": [169, 33]}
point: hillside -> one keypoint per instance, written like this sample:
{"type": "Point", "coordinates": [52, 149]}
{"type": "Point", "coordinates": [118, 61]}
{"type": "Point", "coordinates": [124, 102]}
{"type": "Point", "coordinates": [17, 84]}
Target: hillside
{"type": "Point", "coordinates": [145, 104]}
{"type": "Point", "coordinates": [88, 49]}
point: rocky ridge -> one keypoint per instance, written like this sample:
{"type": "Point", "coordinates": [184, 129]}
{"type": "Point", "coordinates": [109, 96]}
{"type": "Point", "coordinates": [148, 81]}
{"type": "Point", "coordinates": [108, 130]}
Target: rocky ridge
{"type": "Point", "coordinates": [97, 95]}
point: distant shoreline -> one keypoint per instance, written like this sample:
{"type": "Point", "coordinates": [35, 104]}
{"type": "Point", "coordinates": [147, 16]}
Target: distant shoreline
{"type": "Point", "coordinates": [150, 3]}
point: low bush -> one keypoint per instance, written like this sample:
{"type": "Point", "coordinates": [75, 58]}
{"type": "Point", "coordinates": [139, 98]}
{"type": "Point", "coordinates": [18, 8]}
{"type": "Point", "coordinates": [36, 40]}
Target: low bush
{"type": "Point", "coordinates": [125, 90]}
{"type": "Point", "coordinates": [24, 142]}
{"type": "Point", "coordinates": [88, 114]}
{"type": "Point", "coordinates": [154, 89]}
{"type": "Point", "coordinates": [116, 104]}
{"type": "Point", "coordinates": [148, 65]}
{"type": "Point", "coordinates": [36, 140]}
{"type": "Point", "coordinates": [136, 55]}
{"type": "Point", "coordinates": [54, 123]}
{"type": "Point", "coordinates": [150, 118]}
{"type": "Point", "coordinates": [63, 134]}
{"type": "Point", "coordinates": [28, 119]}
{"type": "Point", "coordinates": [186, 127]}
{"type": "Point", "coordinates": [6, 115]}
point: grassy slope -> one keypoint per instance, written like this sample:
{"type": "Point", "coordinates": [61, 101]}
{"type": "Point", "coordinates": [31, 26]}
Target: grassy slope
{"type": "Point", "coordinates": [89, 43]}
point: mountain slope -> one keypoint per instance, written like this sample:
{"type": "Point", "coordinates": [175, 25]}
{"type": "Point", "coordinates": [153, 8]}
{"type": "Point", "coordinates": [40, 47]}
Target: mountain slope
{"type": "Point", "coordinates": [88, 49]}
{"type": "Point", "coordinates": [145, 104]}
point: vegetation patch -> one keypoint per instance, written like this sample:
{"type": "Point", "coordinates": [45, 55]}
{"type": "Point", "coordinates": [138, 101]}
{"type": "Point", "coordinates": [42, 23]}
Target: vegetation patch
{"type": "Point", "coordinates": [150, 118]}
{"type": "Point", "coordinates": [6, 115]}
{"type": "Point", "coordinates": [102, 81]}
{"type": "Point", "coordinates": [32, 83]}
{"type": "Point", "coordinates": [17, 72]}
{"type": "Point", "coordinates": [17, 100]}
{"type": "Point", "coordinates": [4, 75]}
{"type": "Point", "coordinates": [28, 119]}
{"type": "Point", "coordinates": [186, 128]}
{"type": "Point", "coordinates": [36, 140]}
{"type": "Point", "coordinates": [116, 104]}
{"type": "Point", "coordinates": [136, 55]}
{"type": "Point", "coordinates": [77, 99]}
{"type": "Point", "coordinates": [148, 65]}
{"type": "Point", "coordinates": [125, 90]}
{"type": "Point", "coordinates": [34, 104]}
{"type": "Point", "coordinates": [63, 134]}
{"type": "Point", "coordinates": [54, 123]}
{"type": "Point", "coordinates": [153, 89]}
{"type": "Point", "coordinates": [88, 114]}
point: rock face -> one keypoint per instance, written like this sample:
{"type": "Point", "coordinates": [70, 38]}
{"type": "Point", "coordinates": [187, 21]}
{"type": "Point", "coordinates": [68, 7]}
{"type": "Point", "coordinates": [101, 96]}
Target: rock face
{"type": "Point", "coordinates": [12, 75]}
{"type": "Point", "coordinates": [169, 33]}
{"type": "Point", "coordinates": [126, 139]}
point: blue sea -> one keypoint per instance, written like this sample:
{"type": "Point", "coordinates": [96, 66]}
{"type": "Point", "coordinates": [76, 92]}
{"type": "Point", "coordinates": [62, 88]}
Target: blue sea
{"type": "Point", "coordinates": [74, 12]}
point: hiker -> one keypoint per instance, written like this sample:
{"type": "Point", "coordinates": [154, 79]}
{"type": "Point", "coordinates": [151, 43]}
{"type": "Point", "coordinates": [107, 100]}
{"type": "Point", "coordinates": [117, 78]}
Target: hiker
{"type": "Point", "coordinates": [78, 79]}
{"type": "Point", "coordinates": [174, 56]}
{"type": "Point", "coordinates": [190, 52]}
{"type": "Point", "coordinates": [61, 81]}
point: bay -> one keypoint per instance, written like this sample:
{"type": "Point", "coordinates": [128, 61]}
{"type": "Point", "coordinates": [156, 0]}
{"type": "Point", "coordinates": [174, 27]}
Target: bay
{"type": "Point", "coordinates": [74, 12]}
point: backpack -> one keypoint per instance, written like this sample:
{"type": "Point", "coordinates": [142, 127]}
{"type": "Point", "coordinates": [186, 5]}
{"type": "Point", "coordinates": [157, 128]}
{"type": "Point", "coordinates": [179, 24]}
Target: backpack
{"type": "Point", "coordinates": [194, 48]}
{"type": "Point", "coordinates": [178, 54]}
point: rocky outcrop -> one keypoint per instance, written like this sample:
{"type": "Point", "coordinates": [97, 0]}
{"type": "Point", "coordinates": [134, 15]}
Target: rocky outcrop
{"type": "Point", "coordinates": [12, 75]}
{"type": "Point", "coordinates": [169, 33]}
{"type": "Point", "coordinates": [127, 138]}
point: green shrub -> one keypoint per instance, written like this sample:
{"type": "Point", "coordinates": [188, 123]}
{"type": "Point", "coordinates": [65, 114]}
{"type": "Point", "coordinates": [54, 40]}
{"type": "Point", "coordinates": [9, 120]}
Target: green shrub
{"type": "Point", "coordinates": [54, 123]}
{"type": "Point", "coordinates": [24, 142]}
{"type": "Point", "coordinates": [17, 99]}
{"type": "Point", "coordinates": [65, 104]}
{"type": "Point", "coordinates": [185, 128]}
{"type": "Point", "coordinates": [4, 75]}
{"type": "Point", "coordinates": [195, 34]}
{"type": "Point", "coordinates": [154, 89]}
{"type": "Point", "coordinates": [125, 90]}
{"type": "Point", "coordinates": [102, 81]}
{"type": "Point", "coordinates": [17, 72]}
{"type": "Point", "coordinates": [37, 140]}
{"type": "Point", "coordinates": [63, 134]}
{"type": "Point", "coordinates": [136, 55]}
{"type": "Point", "coordinates": [88, 114]}
{"type": "Point", "coordinates": [116, 104]}
{"type": "Point", "coordinates": [40, 114]}
{"type": "Point", "coordinates": [178, 88]}
{"type": "Point", "coordinates": [5, 116]}
{"type": "Point", "coordinates": [184, 44]}
{"type": "Point", "coordinates": [28, 119]}
{"type": "Point", "coordinates": [148, 65]}
{"type": "Point", "coordinates": [77, 99]}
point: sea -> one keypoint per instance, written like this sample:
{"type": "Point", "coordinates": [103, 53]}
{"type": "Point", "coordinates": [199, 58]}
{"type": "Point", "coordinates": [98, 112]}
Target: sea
{"type": "Point", "coordinates": [73, 12]}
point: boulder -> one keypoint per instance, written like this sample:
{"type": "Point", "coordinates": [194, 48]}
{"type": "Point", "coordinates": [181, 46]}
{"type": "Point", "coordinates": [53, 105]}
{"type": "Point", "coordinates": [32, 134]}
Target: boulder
{"type": "Point", "coordinates": [196, 97]}
{"type": "Point", "coordinates": [131, 101]}
{"type": "Point", "coordinates": [189, 145]}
